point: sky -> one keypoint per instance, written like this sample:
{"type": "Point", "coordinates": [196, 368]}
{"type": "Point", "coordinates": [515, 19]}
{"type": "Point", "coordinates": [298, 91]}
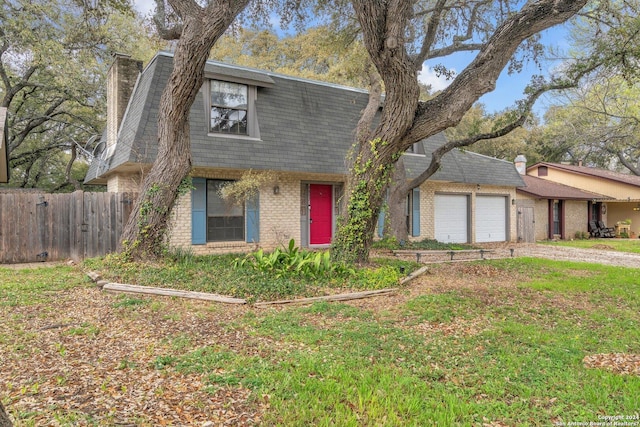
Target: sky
{"type": "Point", "coordinates": [509, 88]}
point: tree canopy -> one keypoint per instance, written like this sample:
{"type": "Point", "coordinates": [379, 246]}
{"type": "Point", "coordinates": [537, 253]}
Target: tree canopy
{"type": "Point", "coordinates": [53, 61]}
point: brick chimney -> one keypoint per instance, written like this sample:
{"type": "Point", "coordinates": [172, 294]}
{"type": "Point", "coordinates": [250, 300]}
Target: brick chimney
{"type": "Point", "coordinates": [121, 80]}
{"type": "Point", "coordinates": [521, 164]}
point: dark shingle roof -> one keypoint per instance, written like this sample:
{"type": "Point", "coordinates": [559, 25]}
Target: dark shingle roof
{"type": "Point", "coordinates": [305, 126]}
{"type": "Point", "coordinates": [546, 189]}
{"type": "Point", "coordinates": [464, 166]}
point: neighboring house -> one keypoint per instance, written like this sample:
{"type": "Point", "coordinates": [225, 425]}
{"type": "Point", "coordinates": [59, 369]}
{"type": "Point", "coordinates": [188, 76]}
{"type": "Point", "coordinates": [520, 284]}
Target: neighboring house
{"type": "Point", "coordinates": [246, 119]}
{"type": "Point", "coordinates": [572, 196]}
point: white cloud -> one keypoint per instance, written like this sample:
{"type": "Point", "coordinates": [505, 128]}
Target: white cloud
{"type": "Point", "coordinates": [428, 76]}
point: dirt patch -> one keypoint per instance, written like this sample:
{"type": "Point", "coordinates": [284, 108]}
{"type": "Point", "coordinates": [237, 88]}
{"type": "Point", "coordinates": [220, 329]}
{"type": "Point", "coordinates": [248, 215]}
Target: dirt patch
{"type": "Point", "coordinates": [618, 363]}
{"type": "Point", "coordinates": [603, 247]}
{"type": "Point", "coordinates": [458, 327]}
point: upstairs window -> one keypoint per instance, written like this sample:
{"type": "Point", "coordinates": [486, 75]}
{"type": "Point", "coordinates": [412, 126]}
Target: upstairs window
{"type": "Point", "coordinates": [229, 108]}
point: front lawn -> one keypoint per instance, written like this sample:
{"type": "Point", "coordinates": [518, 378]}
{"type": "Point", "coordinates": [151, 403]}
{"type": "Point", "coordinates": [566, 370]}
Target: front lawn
{"type": "Point", "coordinates": [621, 245]}
{"type": "Point", "coordinates": [505, 342]}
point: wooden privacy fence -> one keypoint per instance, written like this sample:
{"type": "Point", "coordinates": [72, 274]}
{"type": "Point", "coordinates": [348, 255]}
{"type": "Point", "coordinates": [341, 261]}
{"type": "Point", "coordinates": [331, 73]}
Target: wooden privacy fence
{"type": "Point", "coordinates": [53, 227]}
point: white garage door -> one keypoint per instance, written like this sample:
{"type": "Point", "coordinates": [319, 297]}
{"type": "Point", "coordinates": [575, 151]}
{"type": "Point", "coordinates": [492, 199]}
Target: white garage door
{"type": "Point", "coordinates": [451, 218]}
{"type": "Point", "coordinates": [491, 219]}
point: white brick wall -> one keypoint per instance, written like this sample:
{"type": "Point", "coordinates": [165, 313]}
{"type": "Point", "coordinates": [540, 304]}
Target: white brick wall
{"type": "Point", "coordinates": [280, 213]}
{"type": "Point", "coordinates": [123, 183]}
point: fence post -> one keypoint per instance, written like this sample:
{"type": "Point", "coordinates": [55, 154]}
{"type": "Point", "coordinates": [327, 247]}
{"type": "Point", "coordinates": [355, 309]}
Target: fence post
{"type": "Point", "coordinates": [41, 216]}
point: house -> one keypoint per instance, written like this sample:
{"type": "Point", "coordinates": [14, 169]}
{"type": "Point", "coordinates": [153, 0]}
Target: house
{"type": "Point", "coordinates": [565, 198]}
{"type": "Point", "coordinates": [301, 130]}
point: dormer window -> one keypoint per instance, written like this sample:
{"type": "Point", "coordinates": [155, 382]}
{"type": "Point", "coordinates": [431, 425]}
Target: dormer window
{"type": "Point", "coordinates": [229, 108]}
{"type": "Point", "coordinates": [416, 148]}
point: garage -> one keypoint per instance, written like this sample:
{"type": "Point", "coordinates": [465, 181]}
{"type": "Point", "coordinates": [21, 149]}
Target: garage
{"type": "Point", "coordinates": [491, 219]}
{"type": "Point", "coordinates": [451, 218]}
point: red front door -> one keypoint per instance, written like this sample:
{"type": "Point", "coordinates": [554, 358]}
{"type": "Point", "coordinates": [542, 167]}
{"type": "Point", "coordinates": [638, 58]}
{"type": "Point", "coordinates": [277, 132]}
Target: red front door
{"type": "Point", "coordinates": [320, 198]}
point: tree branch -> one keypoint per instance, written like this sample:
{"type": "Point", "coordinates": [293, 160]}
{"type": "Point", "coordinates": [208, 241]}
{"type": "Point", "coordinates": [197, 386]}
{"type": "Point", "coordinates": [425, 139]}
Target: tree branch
{"type": "Point", "coordinates": [160, 19]}
{"type": "Point", "coordinates": [481, 75]}
{"type": "Point", "coordinates": [523, 112]}
{"type": "Point", "coordinates": [432, 31]}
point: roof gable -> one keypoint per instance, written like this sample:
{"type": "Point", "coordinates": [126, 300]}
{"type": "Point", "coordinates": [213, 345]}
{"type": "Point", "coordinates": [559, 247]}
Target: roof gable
{"type": "Point", "coordinates": [546, 189]}
{"type": "Point", "coordinates": [592, 172]}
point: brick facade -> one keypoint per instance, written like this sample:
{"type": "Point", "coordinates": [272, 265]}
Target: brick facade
{"type": "Point", "coordinates": [123, 183]}
{"type": "Point", "coordinates": [280, 214]}
{"type": "Point", "coordinates": [575, 216]}
{"type": "Point", "coordinates": [281, 211]}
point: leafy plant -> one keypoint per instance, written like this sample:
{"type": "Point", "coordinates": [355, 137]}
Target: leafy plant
{"type": "Point", "coordinates": [292, 261]}
{"type": "Point", "coordinates": [426, 244]}
{"type": "Point", "coordinates": [581, 235]}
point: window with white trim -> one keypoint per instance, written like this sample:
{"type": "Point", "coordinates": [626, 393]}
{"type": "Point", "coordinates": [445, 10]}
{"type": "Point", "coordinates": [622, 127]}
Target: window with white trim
{"type": "Point", "coordinates": [229, 113]}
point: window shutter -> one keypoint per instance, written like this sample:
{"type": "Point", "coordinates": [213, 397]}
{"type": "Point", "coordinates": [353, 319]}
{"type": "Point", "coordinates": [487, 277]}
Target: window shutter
{"type": "Point", "coordinates": [381, 215]}
{"type": "Point", "coordinates": [415, 214]}
{"type": "Point", "coordinates": [253, 219]}
{"type": "Point", "coordinates": [381, 222]}
{"type": "Point", "coordinates": [199, 211]}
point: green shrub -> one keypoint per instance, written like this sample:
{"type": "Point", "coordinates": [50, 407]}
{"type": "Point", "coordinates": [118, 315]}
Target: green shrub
{"type": "Point", "coordinates": [179, 255]}
{"type": "Point", "coordinates": [292, 261]}
{"type": "Point", "coordinates": [392, 243]}
{"type": "Point", "coordinates": [581, 235]}
{"type": "Point", "coordinates": [377, 278]}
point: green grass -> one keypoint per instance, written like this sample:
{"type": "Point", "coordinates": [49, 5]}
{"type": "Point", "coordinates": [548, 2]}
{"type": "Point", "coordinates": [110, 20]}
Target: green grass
{"type": "Point", "coordinates": [32, 286]}
{"type": "Point", "coordinates": [425, 244]}
{"type": "Point", "coordinates": [469, 355]}
{"type": "Point", "coordinates": [333, 364]}
{"type": "Point", "coordinates": [621, 245]}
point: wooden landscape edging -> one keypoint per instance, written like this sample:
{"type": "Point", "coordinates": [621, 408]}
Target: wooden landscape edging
{"type": "Point", "coordinates": [149, 290]}
{"type": "Point", "coordinates": [135, 289]}
{"type": "Point", "coordinates": [338, 297]}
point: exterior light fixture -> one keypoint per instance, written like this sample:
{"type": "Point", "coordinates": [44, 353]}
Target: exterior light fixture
{"type": "Point", "coordinates": [276, 189]}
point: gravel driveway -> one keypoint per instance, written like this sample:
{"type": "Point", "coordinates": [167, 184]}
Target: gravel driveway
{"type": "Point", "coordinates": [599, 254]}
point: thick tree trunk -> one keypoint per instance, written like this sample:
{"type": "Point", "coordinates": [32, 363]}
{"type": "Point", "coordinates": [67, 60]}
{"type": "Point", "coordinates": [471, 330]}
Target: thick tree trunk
{"type": "Point", "coordinates": [5, 421]}
{"type": "Point", "coordinates": [383, 25]}
{"type": "Point", "coordinates": [396, 224]}
{"type": "Point", "coordinates": [404, 120]}
{"type": "Point", "coordinates": [145, 231]}
{"type": "Point", "coordinates": [370, 176]}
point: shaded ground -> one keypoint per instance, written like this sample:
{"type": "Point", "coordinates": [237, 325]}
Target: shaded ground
{"type": "Point", "coordinates": [96, 354]}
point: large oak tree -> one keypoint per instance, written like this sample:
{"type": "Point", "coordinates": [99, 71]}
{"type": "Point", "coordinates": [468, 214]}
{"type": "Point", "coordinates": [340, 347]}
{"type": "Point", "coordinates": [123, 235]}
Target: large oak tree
{"type": "Point", "coordinates": [404, 118]}
{"type": "Point", "coordinates": [53, 56]}
{"type": "Point", "coordinates": [196, 28]}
